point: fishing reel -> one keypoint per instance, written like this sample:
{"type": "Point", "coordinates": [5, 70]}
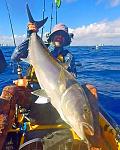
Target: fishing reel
{"type": "Point", "coordinates": [19, 72]}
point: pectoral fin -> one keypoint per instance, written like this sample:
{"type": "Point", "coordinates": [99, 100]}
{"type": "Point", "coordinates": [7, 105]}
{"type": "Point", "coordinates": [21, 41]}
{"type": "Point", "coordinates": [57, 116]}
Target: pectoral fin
{"type": "Point", "coordinates": [42, 100]}
{"type": "Point", "coordinates": [40, 92]}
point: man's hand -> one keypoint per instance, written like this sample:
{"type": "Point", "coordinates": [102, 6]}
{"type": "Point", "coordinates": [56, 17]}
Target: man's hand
{"type": "Point", "coordinates": [92, 89]}
{"type": "Point", "coordinates": [32, 27]}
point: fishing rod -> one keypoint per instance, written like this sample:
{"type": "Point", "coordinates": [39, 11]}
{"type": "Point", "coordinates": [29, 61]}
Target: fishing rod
{"type": "Point", "coordinates": [12, 64]}
{"type": "Point", "coordinates": [51, 16]}
{"type": "Point", "coordinates": [58, 3]}
{"type": "Point", "coordinates": [56, 15]}
{"type": "Point", "coordinates": [16, 106]}
{"type": "Point", "coordinates": [10, 23]}
{"type": "Point", "coordinates": [43, 17]}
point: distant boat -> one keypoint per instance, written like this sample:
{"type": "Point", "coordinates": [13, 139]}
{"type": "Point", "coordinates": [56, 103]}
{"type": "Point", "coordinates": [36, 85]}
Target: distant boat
{"type": "Point", "coordinates": [98, 46]}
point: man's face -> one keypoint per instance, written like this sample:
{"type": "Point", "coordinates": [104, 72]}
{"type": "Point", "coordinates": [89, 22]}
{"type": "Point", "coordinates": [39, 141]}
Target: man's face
{"type": "Point", "coordinates": [58, 40]}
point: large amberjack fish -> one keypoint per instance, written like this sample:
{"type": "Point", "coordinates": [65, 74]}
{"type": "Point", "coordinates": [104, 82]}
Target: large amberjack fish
{"type": "Point", "coordinates": [66, 95]}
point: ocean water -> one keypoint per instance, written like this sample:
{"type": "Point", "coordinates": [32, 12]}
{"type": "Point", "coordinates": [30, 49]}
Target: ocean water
{"type": "Point", "coordinates": [99, 67]}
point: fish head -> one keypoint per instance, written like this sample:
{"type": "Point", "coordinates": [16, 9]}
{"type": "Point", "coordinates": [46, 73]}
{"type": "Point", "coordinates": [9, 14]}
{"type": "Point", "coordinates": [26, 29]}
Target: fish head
{"type": "Point", "coordinates": [82, 121]}
{"type": "Point", "coordinates": [87, 121]}
{"type": "Point", "coordinates": [77, 110]}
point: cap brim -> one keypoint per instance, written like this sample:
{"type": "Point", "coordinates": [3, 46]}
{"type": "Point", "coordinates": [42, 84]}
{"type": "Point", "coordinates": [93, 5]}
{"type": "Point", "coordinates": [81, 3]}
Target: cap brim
{"type": "Point", "coordinates": [62, 33]}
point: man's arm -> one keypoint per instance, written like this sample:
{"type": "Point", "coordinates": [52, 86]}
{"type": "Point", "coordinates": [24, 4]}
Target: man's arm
{"type": "Point", "coordinates": [21, 51]}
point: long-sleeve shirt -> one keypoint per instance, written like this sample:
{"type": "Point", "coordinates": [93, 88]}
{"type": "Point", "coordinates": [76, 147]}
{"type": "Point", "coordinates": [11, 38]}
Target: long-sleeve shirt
{"type": "Point", "coordinates": [67, 58]}
{"type": "Point", "coordinates": [21, 51]}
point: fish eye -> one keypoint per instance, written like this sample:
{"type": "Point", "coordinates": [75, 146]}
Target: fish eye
{"type": "Point", "coordinates": [85, 108]}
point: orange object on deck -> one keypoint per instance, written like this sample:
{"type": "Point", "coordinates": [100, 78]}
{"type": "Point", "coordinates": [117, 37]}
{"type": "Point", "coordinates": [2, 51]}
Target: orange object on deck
{"type": "Point", "coordinates": [21, 82]}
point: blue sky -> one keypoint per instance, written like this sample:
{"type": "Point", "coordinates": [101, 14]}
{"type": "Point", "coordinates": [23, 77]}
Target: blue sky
{"type": "Point", "coordinates": [91, 21]}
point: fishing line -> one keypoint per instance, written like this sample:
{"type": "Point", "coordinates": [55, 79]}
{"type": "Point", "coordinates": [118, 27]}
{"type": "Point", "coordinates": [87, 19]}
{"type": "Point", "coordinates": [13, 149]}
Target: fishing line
{"type": "Point", "coordinates": [43, 17]}
{"type": "Point", "coordinates": [51, 16]}
{"type": "Point", "coordinates": [12, 64]}
{"type": "Point", "coordinates": [56, 15]}
{"type": "Point", "coordinates": [10, 22]}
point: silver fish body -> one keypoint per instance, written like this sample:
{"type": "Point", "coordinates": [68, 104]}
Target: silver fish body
{"type": "Point", "coordinates": [66, 95]}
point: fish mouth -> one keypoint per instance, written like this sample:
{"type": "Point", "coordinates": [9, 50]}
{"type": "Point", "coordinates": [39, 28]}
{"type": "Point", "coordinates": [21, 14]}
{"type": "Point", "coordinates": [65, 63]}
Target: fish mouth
{"type": "Point", "coordinates": [88, 129]}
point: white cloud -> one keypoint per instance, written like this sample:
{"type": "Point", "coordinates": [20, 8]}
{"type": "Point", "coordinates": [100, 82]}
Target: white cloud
{"type": "Point", "coordinates": [112, 3]}
{"type": "Point", "coordinates": [115, 3]}
{"type": "Point", "coordinates": [103, 32]}
{"type": "Point", "coordinates": [107, 32]}
{"type": "Point", "coordinates": [8, 39]}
